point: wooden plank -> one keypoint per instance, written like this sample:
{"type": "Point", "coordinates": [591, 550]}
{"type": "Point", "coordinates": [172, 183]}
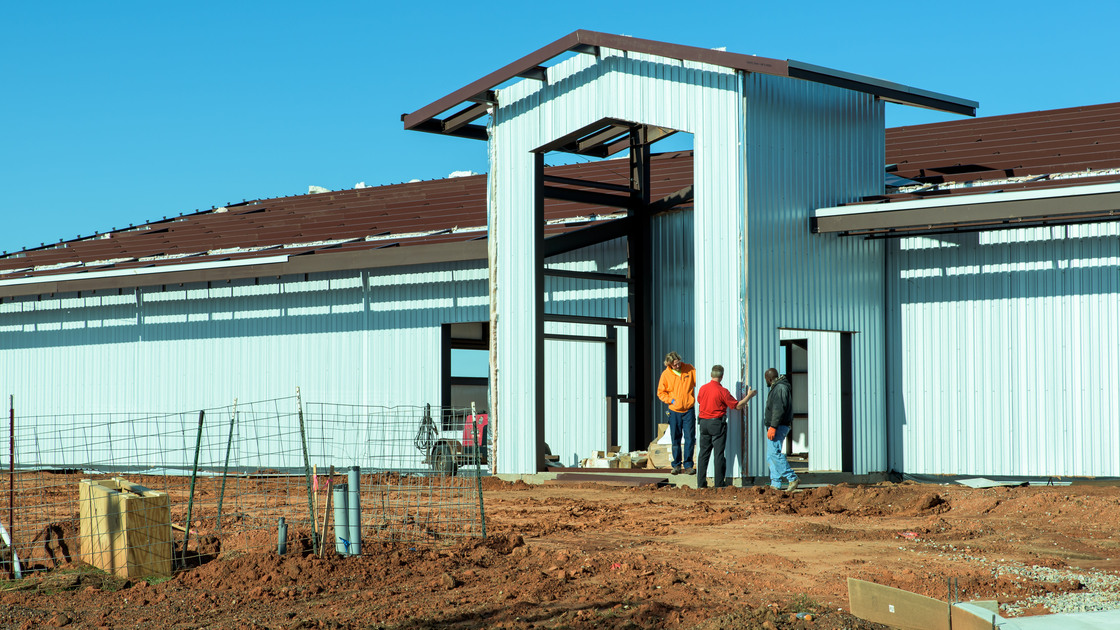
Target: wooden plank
{"type": "Point", "coordinates": [905, 610]}
{"type": "Point", "coordinates": [99, 525]}
{"type": "Point", "coordinates": [124, 528]}
{"type": "Point", "coordinates": [147, 527]}
{"type": "Point", "coordinates": [608, 480]}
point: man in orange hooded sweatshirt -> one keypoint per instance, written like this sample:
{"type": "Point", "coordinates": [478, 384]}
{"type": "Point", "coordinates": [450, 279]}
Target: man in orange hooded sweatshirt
{"type": "Point", "coordinates": [675, 389]}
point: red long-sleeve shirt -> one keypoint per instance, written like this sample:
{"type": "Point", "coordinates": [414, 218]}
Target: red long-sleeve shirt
{"type": "Point", "coordinates": [714, 400]}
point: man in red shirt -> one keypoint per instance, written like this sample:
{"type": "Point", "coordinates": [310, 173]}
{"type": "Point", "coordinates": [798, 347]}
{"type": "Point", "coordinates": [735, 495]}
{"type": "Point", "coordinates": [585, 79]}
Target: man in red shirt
{"type": "Point", "coordinates": [714, 400]}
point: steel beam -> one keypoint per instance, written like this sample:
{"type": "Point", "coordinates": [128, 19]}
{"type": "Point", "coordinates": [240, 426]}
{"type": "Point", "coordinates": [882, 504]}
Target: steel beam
{"type": "Point", "coordinates": [589, 197]}
{"type": "Point", "coordinates": [585, 319]}
{"type": "Point", "coordinates": [586, 275]}
{"type": "Point", "coordinates": [654, 134]}
{"type": "Point", "coordinates": [470, 114]}
{"type": "Point", "coordinates": [569, 241]}
{"type": "Point", "coordinates": [586, 183]}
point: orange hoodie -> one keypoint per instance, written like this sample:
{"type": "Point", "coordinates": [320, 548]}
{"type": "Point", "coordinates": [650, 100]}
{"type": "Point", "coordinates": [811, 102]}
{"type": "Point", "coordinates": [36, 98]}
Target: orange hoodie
{"type": "Point", "coordinates": [676, 390]}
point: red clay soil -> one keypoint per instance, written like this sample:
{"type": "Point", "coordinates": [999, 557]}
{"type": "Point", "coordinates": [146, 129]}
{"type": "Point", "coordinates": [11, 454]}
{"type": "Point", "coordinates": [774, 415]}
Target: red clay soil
{"type": "Point", "coordinates": [592, 556]}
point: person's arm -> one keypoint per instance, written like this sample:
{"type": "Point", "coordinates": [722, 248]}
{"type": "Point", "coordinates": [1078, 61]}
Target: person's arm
{"type": "Point", "coordinates": [743, 403]}
{"type": "Point", "coordinates": [663, 390]}
{"type": "Point", "coordinates": [726, 398]}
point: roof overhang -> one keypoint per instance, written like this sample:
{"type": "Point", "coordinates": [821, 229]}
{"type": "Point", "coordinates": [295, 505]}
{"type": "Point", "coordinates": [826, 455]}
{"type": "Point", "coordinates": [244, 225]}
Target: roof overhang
{"type": "Point", "coordinates": [473, 101]}
{"type": "Point", "coordinates": [991, 211]}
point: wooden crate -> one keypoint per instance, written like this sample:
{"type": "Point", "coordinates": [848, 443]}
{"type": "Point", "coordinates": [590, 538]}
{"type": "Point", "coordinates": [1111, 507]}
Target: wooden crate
{"type": "Point", "coordinates": [125, 528]}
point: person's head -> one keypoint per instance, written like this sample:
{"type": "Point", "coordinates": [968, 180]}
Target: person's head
{"type": "Point", "coordinates": [771, 376]}
{"type": "Point", "coordinates": [717, 372]}
{"type": "Point", "coordinates": [673, 360]}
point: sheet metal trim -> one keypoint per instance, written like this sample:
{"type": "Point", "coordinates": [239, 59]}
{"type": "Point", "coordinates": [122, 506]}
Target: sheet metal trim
{"type": "Point", "coordinates": [1012, 210]}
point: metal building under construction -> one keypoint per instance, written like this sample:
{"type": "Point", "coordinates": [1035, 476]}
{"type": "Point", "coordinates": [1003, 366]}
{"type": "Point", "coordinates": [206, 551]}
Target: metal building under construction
{"type": "Point", "coordinates": [943, 296]}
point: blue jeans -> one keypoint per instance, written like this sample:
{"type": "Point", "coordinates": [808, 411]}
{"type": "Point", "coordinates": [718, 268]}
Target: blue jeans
{"type": "Point", "coordinates": [779, 465]}
{"type": "Point", "coordinates": [683, 423]}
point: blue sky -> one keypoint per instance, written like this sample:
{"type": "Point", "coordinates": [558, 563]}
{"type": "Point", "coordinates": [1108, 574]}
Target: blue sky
{"type": "Point", "coordinates": [123, 112]}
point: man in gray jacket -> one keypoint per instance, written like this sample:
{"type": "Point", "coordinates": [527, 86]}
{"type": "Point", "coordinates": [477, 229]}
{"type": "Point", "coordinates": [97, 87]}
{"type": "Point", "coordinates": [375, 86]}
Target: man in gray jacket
{"type": "Point", "coordinates": [779, 419]}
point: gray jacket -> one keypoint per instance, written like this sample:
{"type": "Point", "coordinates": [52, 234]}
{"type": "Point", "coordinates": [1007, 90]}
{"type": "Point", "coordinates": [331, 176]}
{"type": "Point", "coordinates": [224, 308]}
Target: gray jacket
{"type": "Point", "coordinates": [779, 403]}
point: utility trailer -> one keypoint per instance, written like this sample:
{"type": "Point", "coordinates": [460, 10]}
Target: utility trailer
{"type": "Point", "coordinates": [453, 442]}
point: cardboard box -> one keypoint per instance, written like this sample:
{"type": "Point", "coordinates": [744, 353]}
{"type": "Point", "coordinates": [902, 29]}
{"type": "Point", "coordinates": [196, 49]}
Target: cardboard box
{"type": "Point", "coordinates": [660, 455]}
{"type": "Point", "coordinates": [604, 462]}
{"type": "Point", "coordinates": [124, 528]}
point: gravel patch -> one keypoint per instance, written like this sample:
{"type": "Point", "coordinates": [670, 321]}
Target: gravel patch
{"type": "Point", "coordinates": [1098, 590]}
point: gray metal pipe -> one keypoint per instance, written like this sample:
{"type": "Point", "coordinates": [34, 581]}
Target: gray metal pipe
{"type": "Point", "coordinates": [282, 537]}
{"type": "Point", "coordinates": [341, 528]}
{"type": "Point", "coordinates": [354, 481]}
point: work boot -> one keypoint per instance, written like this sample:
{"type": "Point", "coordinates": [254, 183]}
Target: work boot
{"type": "Point", "coordinates": [676, 470]}
{"type": "Point", "coordinates": [793, 485]}
{"type": "Point", "coordinates": [690, 471]}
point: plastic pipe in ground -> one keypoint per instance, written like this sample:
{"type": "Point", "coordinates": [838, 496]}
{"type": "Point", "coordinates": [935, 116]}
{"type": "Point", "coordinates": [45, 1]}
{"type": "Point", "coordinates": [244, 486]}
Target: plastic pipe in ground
{"type": "Point", "coordinates": [354, 481]}
{"type": "Point", "coordinates": [341, 528]}
{"type": "Point", "coordinates": [282, 537]}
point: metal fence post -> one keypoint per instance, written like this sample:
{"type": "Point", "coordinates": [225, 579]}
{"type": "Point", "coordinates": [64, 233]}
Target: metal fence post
{"type": "Point", "coordinates": [225, 467]}
{"type": "Point", "coordinates": [12, 470]}
{"type": "Point", "coordinates": [478, 466]}
{"type": "Point", "coordinates": [190, 500]}
{"type": "Point", "coordinates": [307, 473]}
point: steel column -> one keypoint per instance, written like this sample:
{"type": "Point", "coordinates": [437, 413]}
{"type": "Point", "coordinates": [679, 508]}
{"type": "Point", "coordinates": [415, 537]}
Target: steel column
{"type": "Point", "coordinates": [638, 295]}
{"type": "Point", "coordinates": [538, 324]}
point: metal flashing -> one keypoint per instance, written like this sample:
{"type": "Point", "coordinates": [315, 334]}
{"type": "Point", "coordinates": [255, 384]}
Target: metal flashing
{"type": "Point", "coordinates": [990, 211]}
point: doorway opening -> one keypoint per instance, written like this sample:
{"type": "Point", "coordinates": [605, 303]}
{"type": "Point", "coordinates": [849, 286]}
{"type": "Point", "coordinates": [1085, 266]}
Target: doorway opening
{"type": "Point", "coordinates": [623, 209]}
{"type": "Point", "coordinates": [465, 370]}
{"type": "Point", "coordinates": [818, 365]}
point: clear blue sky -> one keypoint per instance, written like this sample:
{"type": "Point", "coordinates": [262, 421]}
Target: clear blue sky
{"type": "Point", "coordinates": [121, 112]}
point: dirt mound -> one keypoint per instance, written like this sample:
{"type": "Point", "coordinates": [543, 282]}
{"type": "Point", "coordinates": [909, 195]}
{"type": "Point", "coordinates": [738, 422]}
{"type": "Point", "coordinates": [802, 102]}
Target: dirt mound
{"type": "Point", "coordinates": [602, 557]}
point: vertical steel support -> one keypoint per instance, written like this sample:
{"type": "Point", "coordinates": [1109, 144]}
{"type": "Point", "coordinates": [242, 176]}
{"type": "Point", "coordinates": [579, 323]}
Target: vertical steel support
{"type": "Point", "coordinates": [478, 446]}
{"type": "Point", "coordinates": [610, 362]}
{"type": "Point", "coordinates": [12, 471]}
{"type": "Point", "coordinates": [307, 472]}
{"type": "Point", "coordinates": [190, 500]}
{"type": "Point", "coordinates": [538, 324]}
{"type": "Point", "coordinates": [225, 467]}
{"type": "Point", "coordinates": [639, 259]}
{"type": "Point", "coordinates": [354, 508]}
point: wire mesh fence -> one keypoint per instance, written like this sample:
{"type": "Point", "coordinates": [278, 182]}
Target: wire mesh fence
{"type": "Point", "coordinates": [146, 494]}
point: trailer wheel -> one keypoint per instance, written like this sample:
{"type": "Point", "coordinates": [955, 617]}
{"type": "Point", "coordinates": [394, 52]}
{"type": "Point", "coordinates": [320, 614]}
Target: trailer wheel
{"type": "Point", "coordinates": [443, 460]}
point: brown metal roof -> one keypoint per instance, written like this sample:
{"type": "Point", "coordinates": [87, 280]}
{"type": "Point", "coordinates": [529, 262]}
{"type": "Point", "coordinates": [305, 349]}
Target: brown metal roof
{"type": "Point", "coordinates": [431, 213]}
{"type": "Point", "coordinates": [1016, 145]}
{"type": "Point", "coordinates": [422, 221]}
{"type": "Point", "coordinates": [1035, 151]}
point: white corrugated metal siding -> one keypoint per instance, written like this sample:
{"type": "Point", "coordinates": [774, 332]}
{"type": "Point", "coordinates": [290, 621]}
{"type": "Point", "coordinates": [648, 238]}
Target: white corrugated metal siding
{"type": "Point", "coordinates": [362, 337]}
{"type": "Point", "coordinates": [809, 146]}
{"type": "Point", "coordinates": [673, 303]}
{"type": "Point", "coordinates": [696, 98]}
{"type": "Point", "coordinates": [1004, 352]}
{"type": "Point", "coordinates": [575, 376]}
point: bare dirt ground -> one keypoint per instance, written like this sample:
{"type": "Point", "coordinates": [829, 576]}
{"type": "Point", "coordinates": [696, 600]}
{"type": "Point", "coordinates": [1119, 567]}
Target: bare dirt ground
{"type": "Point", "coordinates": [592, 556]}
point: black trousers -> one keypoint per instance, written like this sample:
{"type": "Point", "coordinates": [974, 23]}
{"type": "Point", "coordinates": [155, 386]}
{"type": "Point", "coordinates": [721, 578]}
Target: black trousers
{"type": "Point", "coordinates": [713, 437]}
